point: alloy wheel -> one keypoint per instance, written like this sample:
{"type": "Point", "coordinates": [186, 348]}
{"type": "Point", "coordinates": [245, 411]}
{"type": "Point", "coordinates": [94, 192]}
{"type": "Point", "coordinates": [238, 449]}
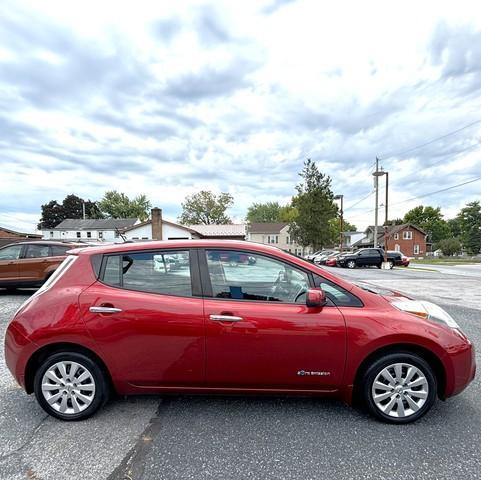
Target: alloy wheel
{"type": "Point", "coordinates": [400, 390]}
{"type": "Point", "coordinates": [68, 387]}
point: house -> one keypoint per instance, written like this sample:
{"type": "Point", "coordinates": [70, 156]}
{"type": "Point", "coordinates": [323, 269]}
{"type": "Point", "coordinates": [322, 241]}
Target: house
{"type": "Point", "coordinates": [276, 234]}
{"type": "Point", "coordinates": [234, 231]}
{"type": "Point", "coordinates": [349, 238]}
{"type": "Point", "coordinates": [157, 228]}
{"type": "Point", "coordinates": [89, 230]}
{"type": "Point", "coordinates": [11, 236]}
{"type": "Point", "coordinates": [406, 238]}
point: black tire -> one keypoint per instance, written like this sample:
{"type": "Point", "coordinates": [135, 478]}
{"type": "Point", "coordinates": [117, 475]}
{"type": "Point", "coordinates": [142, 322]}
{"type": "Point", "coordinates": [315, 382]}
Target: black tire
{"type": "Point", "coordinates": [387, 360]}
{"type": "Point", "coordinates": [100, 395]}
{"type": "Point", "coordinates": [379, 265]}
{"type": "Point", "coordinates": [351, 264]}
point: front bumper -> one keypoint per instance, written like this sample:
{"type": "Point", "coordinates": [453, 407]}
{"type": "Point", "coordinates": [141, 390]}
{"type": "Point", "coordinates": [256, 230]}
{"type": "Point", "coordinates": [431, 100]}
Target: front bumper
{"type": "Point", "coordinates": [463, 369]}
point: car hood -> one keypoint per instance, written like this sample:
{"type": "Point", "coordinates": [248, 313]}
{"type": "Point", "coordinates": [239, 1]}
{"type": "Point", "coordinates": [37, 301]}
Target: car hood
{"type": "Point", "coordinates": [387, 293]}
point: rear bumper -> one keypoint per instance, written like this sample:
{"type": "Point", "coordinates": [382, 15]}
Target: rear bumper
{"type": "Point", "coordinates": [18, 349]}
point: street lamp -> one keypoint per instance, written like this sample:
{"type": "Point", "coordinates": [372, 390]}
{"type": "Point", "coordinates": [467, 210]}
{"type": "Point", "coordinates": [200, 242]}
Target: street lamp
{"type": "Point", "coordinates": [340, 197]}
{"type": "Point", "coordinates": [376, 174]}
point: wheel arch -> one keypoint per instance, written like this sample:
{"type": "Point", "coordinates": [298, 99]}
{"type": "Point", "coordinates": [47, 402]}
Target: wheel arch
{"type": "Point", "coordinates": [42, 353]}
{"type": "Point", "coordinates": [428, 355]}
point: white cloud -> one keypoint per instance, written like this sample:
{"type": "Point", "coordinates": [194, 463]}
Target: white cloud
{"type": "Point", "coordinates": [233, 97]}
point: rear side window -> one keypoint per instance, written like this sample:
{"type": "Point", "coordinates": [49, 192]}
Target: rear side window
{"type": "Point", "coordinates": [59, 251]}
{"type": "Point", "coordinates": [163, 272]}
{"type": "Point", "coordinates": [338, 295]}
{"type": "Point", "coordinates": [36, 251]}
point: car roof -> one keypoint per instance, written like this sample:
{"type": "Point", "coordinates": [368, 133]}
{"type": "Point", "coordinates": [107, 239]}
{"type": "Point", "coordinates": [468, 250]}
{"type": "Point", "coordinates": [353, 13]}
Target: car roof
{"type": "Point", "coordinates": [45, 242]}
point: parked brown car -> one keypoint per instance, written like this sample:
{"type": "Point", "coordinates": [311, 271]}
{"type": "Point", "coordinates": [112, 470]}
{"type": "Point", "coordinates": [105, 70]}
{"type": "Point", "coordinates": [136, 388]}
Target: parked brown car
{"type": "Point", "coordinates": [29, 264]}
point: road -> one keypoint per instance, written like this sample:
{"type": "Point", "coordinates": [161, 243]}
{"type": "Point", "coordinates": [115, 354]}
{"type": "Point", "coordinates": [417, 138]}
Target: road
{"type": "Point", "coordinates": [187, 437]}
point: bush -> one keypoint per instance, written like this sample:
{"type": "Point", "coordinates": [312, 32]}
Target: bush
{"type": "Point", "coordinates": [449, 246]}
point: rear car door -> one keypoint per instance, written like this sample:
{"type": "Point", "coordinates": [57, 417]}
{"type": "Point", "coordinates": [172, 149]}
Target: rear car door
{"type": "Point", "coordinates": [34, 263]}
{"type": "Point", "coordinates": [259, 332]}
{"type": "Point", "coordinates": [146, 314]}
{"type": "Point", "coordinates": [9, 263]}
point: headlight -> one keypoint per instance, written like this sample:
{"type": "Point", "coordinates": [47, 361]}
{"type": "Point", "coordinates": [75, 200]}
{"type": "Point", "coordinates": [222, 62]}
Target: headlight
{"type": "Point", "coordinates": [426, 310]}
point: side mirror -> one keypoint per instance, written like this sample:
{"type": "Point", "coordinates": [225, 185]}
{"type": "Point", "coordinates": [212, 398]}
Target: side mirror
{"type": "Point", "coordinates": [316, 298]}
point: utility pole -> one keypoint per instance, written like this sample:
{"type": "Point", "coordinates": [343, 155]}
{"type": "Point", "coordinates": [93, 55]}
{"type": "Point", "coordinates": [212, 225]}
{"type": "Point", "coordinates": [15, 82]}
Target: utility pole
{"type": "Point", "coordinates": [376, 187]}
{"type": "Point", "coordinates": [83, 210]}
{"type": "Point", "coordinates": [341, 212]}
{"type": "Point", "coordinates": [386, 217]}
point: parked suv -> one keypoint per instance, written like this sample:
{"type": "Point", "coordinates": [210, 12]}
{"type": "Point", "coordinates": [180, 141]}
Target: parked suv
{"type": "Point", "coordinates": [29, 264]}
{"type": "Point", "coordinates": [108, 320]}
{"type": "Point", "coordinates": [369, 257]}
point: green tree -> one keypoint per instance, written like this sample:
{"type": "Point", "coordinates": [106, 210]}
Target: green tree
{"type": "Point", "coordinates": [470, 220]}
{"type": "Point", "coordinates": [118, 205]}
{"type": "Point", "coordinates": [455, 227]}
{"type": "Point", "coordinates": [430, 220]}
{"type": "Point", "coordinates": [449, 246]}
{"type": "Point", "coordinates": [315, 207]}
{"type": "Point", "coordinates": [269, 212]}
{"type": "Point", "coordinates": [394, 221]}
{"type": "Point", "coordinates": [206, 208]}
{"type": "Point", "coordinates": [71, 207]}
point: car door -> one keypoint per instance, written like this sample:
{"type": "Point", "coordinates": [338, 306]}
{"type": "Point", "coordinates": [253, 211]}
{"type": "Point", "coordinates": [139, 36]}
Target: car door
{"type": "Point", "coordinates": [259, 332]}
{"type": "Point", "coordinates": [9, 263]}
{"type": "Point", "coordinates": [34, 263]}
{"type": "Point", "coordinates": [146, 318]}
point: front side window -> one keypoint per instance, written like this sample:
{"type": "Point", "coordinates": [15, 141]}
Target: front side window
{"type": "Point", "coordinates": [163, 272]}
{"type": "Point", "coordinates": [10, 253]}
{"type": "Point", "coordinates": [336, 294]}
{"type": "Point", "coordinates": [248, 276]}
{"type": "Point", "coordinates": [36, 251]}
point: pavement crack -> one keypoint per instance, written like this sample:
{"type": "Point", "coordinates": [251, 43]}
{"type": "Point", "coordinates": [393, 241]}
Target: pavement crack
{"type": "Point", "coordinates": [27, 441]}
{"type": "Point", "coordinates": [132, 465]}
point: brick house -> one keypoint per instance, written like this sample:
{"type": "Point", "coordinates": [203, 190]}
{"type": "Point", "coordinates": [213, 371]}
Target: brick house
{"type": "Point", "coordinates": [10, 236]}
{"type": "Point", "coordinates": [405, 238]}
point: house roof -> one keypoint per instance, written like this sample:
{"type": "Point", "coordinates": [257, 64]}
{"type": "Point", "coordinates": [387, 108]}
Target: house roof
{"type": "Point", "coordinates": [13, 232]}
{"type": "Point", "coordinates": [149, 222]}
{"type": "Point", "coordinates": [392, 229]}
{"type": "Point", "coordinates": [266, 227]}
{"type": "Point", "coordinates": [228, 230]}
{"type": "Point", "coordinates": [95, 224]}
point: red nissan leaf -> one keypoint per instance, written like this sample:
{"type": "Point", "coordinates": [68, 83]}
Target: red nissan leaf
{"type": "Point", "coordinates": [181, 316]}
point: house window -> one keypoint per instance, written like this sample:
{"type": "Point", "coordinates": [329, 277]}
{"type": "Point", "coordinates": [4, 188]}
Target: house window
{"type": "Point", "coordinates": [416, 249]}
{"type": "Point", "coordinates": [396, 236]}
{"type": "Point", "coordinates": [408, 235]}
{"type": "Point", "coordinates": [397, 248]}
{"type": "Point", "coordinates": [78, 234]}
{"type": "Point", "coordinates": [51, 234]}
{"type": "Point", "coordinates": [89, 234]}
{"type": "Point", "coordinates": [273, 239]}
{"type": "Point", "coordinates": [101, 234]}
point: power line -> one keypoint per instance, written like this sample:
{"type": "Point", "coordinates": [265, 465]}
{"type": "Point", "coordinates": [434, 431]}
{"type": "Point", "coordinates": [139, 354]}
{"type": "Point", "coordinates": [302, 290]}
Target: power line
{"type": "Point", "coordinates": [403, 152]}
{"type": "Point", "coordinates": [350, 207]}
{"type": "Point", "coordinates": [426, 194]}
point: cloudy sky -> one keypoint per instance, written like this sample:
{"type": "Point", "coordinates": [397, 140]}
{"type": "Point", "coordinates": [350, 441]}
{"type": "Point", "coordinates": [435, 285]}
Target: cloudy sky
{"type": "Point", "coordinates": [168, 98]}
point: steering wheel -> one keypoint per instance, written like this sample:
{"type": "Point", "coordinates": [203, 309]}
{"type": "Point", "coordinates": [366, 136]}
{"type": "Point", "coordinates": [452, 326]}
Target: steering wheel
{"type": "Point", "coordinates": [301, 291]}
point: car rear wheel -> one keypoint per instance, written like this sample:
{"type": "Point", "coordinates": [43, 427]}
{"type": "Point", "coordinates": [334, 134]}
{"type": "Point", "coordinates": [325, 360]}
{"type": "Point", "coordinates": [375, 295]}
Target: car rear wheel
{"type": "Point", "coordinates": [70, 386]}
{"type": "Point", "coordinates": [399, 388]}
{"type": "Point", "coordinates": [351, 264]}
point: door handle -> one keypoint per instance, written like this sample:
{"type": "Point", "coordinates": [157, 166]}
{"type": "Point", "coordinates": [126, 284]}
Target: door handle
{"type": "Point", "coordinates": [225, 318]}
{"type": "Point", "coordinates": [104, 310]}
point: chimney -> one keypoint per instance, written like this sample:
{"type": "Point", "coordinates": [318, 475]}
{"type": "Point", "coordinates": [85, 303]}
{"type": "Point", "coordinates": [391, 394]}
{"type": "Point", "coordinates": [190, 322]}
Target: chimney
{"type": "Point", "coordinates": [156, 216]}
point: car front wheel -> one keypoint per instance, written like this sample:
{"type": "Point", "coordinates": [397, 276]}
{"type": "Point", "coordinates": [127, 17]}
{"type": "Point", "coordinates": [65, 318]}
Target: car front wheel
{"type": "Point", "coordinates": [399, 388]}
{"type": "Point", "coordinates": [70, 386]}
{"type": "Point", "coordinates": [351, 264]}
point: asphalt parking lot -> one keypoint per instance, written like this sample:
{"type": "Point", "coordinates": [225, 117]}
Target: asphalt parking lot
{"type": "Point", "coordinates": [188, 437]}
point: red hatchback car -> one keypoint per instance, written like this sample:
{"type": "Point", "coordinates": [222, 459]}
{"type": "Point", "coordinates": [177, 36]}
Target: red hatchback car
{"type": "Point", "coordinates": [123, 319]}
